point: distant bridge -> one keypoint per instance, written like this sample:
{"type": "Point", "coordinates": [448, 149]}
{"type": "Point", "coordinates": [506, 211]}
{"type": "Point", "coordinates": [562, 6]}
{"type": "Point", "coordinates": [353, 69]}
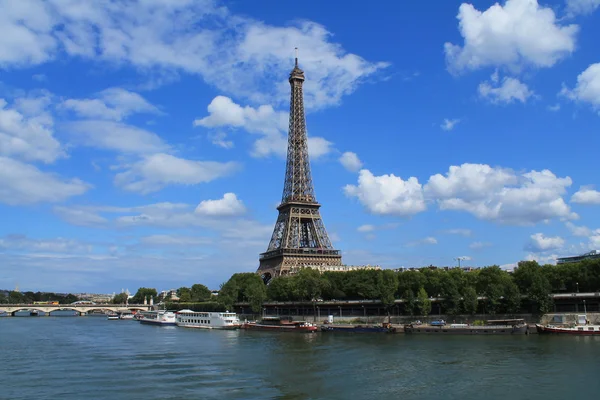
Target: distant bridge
{"type": "Point", "coordinates": [82, 309]}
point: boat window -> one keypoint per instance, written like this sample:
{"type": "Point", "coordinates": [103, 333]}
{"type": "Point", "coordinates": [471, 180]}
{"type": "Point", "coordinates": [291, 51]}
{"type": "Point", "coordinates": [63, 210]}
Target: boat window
{"type": "Point", "coordinates": [591, 329]}
{"type": "Point", "coordinates": [580, 329]}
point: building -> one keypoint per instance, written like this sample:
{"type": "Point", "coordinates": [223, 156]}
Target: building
{"type": "Point", "coordinates": [299, 238]}
{"type": "Point", "coordinates": [592, 255]}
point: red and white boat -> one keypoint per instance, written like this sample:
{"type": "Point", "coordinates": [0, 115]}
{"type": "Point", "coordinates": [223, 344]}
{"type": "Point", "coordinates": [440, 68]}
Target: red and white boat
{"type": "Point", "coordinates": [581, 327]}
{"type": "Point", "coordinates": [280, 324]}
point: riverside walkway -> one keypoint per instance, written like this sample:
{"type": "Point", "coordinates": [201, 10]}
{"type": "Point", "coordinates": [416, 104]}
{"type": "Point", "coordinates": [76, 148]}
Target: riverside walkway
{"type": "Point", "coordinates": [82, 309]}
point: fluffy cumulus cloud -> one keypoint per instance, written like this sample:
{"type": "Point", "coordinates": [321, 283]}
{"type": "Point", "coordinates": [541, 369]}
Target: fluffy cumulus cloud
{"type": "Point", "coordinates": [587, 89]}
{"type": "Point", "coordinates": [578, 230]}
{"type": "Point", "coordinates": [22, 183]}
{"type": "Point", "coordinates": [575, 7]}
{"type": "Point", "coordinates": [586, 195]}
{"type": "Point", "coordinates": [350, 161]}
{"type": "Point", "coordinates": [504, 92]}
{"type": "Point", "coordinates": [236, 54]}
{"type": "Point", "coordinates": [500, 194]}
{"type": "Point", "coordinates": [388, 194]}
{"type": "Point", "coordinates": [517, 34]}
{"type": "Point", "coordinates": [539, 243]}
{"type": "Point", "coordinates": [264, 120]}
{"type": "Point", "coordinates": [427, 240]}
{"type": "Point", "coordinates": [366, 228]}
{"type": "Point", "coordinates": [27, 130]}
{"type": "Point", "coordinates": [156, 171]}
{"type": "Point", "coordinates": [228, 206]}
{"type": "Point", "coordinates": [112, 104]}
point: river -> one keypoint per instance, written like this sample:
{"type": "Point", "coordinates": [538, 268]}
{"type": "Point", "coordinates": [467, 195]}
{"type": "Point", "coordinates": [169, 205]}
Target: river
{"type": "Point", "coordinates": [93, 358]}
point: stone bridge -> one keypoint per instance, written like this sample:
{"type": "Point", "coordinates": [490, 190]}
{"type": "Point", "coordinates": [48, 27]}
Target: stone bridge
{"type": "Point", "coordinates": [82, 309]}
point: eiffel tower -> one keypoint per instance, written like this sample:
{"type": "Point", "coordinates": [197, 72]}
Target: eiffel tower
{"type": "Point", "coordinates": [299, 238]}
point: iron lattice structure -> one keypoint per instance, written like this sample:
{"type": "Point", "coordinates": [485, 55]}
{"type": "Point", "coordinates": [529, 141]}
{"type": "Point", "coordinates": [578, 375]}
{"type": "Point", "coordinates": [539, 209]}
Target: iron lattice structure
{"type": "Point", "coordinates": [299, 238]}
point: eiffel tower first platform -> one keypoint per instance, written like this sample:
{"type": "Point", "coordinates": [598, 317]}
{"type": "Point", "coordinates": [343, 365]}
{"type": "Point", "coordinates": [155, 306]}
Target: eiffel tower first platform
{"type": "Point", "coordinates": [299, 238]}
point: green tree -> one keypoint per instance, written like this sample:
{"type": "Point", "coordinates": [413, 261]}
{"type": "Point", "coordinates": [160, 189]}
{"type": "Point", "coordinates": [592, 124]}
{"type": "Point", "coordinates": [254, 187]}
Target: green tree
{"type": "Point", "coordinates": [184, 294]}
{"type": "Point", "coordinates": [142, 293]}
{"type": "Point", "coordinates": [120, 298]}
{"type": "Point", "coordinates": [200, 293]}
{"type": "Point", "coordinates": [308, 284]}
{"type": "Point", "coordinates": [409, 301]}
{"type": "Point", "coordinates": [470, 301]}
{"type": "Point", "coordinates": [243, 287]}
{"type": "Point", "coordinates": [3, 298]}
{"type": "Point", "coordinates": [424, 303]}
{"type": "Point", "coordinates": [280, 289]}
{"type": "Point", "coordinates": [512, 297]}
{"type": "Point", "coordinates": [387, 285]}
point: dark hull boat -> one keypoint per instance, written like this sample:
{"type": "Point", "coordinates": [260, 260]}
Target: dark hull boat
{"type": "Point", "coordinates": [280, 324]}
{"type": "Point", "coordinates": [497, 327]}
{"type": "Point", "coordinates": [385, 328]}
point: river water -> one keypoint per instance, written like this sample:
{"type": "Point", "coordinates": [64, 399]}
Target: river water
{"type": "Point", "coordinates": [93, 358]}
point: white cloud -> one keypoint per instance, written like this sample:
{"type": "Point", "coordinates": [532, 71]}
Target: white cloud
{"type": "Point", "coordinates": [111, 104]}
{"type": "Point", "coordinates": [586, 195]}
{"type": "Point", "coordinates": [542, 259]}
{"type": "Point", "coordinates": [228, 206]}
{"type": "Point", "coordinates": [595, 240]}
{"type": "Point", "coordinates": [509, 90]}
{"type": "Point", "coordinates": [77, 216]}
{"type": "Point", "coordinates": [26, 130]}
{"type": "Point", "coordinates": [540, 243]}
{"type": "Point", "coordinates": [39, 77]}
{"type": "Point", "coordinates": [554, 108]}
{"type": "Point", "coordinates": [427, 240]}
{"type": "Point", "coordinates": [22, 183]}
{"type": "Point", "coordinates": [501, 195]}
{"type": "Point", "coordinates": [271, 125]}
{"type": "Point", "coordinates": [58, 245]}
{"type": "Point", "coordinates": [220, 139]}
{"type": "Point", "coordinates": [449, 124]}
{"type": "Point", "coordinates": [518, 34]}
{"type": "Point", "coordinates": [578, 230]}
{"type": "Point", "coordinates": [111, 135]}
{"type": "Point", "coordinates": [366, 228]}
{"type": "Point", "coordinates": [350, 161]}
{"type": "Point", "coordinates": [588, 87]}
{"type": "Point", "coordinates": [236, 54]}
{"type": "Point", "coordinates": [479, 245]}
{"type": "Point", "coordinates": [575, 7]}
{"type": "Point", "coordinates": [156, 171]}
{"type": "Point", "coordinates": [387, 194]}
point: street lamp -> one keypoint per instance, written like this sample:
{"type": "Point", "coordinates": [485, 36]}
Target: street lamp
{"type": "Point", "coordinates": [459, 260]}
{"type": "Point", "coordinates": [340, 307]}
{"type": "Point", "coordinates": [577, 285]}
{"type": "Point", "coordinates": [584, 310]}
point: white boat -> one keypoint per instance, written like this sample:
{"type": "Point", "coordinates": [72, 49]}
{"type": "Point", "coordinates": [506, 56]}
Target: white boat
{"type": "Point", "coordinates": [207, 320]}
{"type": "Point", "coordinates": [113, 317]}
{"type": "Point", "coordinates": [581, 326]}
{"type": "Point", "coordinates": [126, 316]}
{"type": "Point", "coordinates": [161, 318]}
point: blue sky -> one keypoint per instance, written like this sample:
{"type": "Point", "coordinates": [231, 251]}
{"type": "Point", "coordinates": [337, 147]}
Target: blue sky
{"type": "Point", "coordinates": [143, 143]}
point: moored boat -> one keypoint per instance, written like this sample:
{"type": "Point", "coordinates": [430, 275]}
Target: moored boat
{"type": "Point", "coordinates": [160, 318]}
{"type": "Point", "coordinates": [280, 324]}
{"type": "Point", "coordinates": [493, 327]}
{"type": "Point", "coordinates": [207, 320]}
{"type": "Point", "coordinates": [113, 317]}
{"type": "Point", "coordinates": [581, 326]}
{"type": "Point", "coordinates": [383, 328]}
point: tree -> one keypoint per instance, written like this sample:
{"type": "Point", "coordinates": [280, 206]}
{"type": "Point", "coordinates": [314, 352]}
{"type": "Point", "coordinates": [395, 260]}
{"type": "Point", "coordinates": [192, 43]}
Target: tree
{"type": "Point", "coordinates": [280, 289]}
{"type": "Point", "coordinates": [243, 287]}
{"type": "Point", "coordinates": [512, 297]}
{"type": "Point", "coordinates": [144, 293]}
{"type": "Point", "coordinates": [308, 284]}
{"type": "Point", "coordinates": [409, 301]}
{"type": "Point", "coordinates": [387, 284]}
{"type": "Point", "coordinates": [120, 298]}
{"type": "Point", "coordinates": [424, 302]}
{"type": "Point", "coordinates": [3, 298]}
{"type": "Point", "coordinates": [184, 294]}
{"type": "Point", "coordinates": [470, 300]}
{"type": "Point", "coordinates": [200, 293]}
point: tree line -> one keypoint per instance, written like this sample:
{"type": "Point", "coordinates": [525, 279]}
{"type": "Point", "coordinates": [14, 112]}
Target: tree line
{"type": "Point", "coordinates": [489, 290]}
{"type": "Point", "coordinates": [14, 297]}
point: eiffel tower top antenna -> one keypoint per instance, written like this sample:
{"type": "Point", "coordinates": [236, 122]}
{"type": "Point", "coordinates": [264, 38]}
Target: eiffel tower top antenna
{"type": "Point", "coordinates": [296, 56]}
